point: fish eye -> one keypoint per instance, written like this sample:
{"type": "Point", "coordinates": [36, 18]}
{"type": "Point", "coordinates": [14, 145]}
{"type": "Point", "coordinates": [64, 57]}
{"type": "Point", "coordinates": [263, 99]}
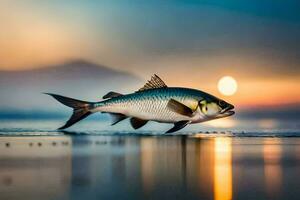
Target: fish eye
{"type": "Point", "coordinates": [222, 103]}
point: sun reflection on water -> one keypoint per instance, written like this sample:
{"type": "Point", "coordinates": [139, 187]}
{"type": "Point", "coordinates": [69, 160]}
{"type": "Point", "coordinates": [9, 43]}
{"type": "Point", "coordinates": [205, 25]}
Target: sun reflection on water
{"type": "Point", "coordinates": [223, 169]}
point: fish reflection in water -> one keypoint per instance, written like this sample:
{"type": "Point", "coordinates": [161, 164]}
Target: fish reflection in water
{"type": "Point", "coordinates": [145, 167]}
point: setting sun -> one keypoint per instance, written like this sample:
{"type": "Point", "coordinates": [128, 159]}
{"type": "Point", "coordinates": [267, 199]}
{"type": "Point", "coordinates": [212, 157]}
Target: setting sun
{"type": "Point", "coordinates": [227, 85]}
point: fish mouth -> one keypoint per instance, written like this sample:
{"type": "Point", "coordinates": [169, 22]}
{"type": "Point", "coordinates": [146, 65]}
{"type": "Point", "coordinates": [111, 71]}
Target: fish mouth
{"type": "Point", "coordinates": [228, 111]}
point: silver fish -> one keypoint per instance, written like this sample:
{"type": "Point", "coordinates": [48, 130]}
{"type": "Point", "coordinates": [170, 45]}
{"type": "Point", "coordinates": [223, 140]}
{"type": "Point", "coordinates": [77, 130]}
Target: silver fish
{"type": "Point", "coordinates": [155, 101]}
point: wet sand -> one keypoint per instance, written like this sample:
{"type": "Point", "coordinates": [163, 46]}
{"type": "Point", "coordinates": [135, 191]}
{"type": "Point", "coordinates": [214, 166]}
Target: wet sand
{"type": "Point", "coordinates": [149, 167]}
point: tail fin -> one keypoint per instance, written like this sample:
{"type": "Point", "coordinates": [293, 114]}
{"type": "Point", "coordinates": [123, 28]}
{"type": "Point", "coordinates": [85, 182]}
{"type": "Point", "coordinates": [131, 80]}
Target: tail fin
{"type": "Point", "coordinates": [82, 109]}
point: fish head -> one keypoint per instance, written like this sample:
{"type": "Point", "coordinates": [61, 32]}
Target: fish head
{"type": "Point", "coordinates": [214, 108]}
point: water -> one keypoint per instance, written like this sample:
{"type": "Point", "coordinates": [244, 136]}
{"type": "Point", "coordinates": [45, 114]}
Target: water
{"type": "Point", "coordinates": [90, 163]}
{"type": "Point", "coordinates": [101, 126]}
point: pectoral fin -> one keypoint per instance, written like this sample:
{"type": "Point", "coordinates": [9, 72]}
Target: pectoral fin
{"type": "Point", "coordinates": [137, 123]}
{"type": "Point", "coordinates": [178, 125]}
{"type": "Point", "coordinates": [179, 108]}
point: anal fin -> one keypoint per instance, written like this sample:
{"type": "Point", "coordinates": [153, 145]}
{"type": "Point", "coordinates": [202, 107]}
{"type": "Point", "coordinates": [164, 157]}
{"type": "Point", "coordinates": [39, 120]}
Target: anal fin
{"type": "Point", "coordinates": [178, 125]}
{"type": "Point", "coordinates": [137, 123]}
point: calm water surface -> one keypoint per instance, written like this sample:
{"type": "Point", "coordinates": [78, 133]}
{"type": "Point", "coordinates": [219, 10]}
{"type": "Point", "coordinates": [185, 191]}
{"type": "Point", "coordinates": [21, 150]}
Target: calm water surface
{"type": "Point", "coordinates": [201, 166]}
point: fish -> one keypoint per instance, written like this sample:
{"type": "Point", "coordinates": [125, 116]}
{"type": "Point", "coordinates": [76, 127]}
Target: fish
{"type": "Point", "coordinates": [155, 101]}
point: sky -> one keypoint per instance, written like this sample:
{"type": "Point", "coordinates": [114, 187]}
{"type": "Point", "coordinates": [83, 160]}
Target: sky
{"type": "Point", "coordinates": [188, 43]}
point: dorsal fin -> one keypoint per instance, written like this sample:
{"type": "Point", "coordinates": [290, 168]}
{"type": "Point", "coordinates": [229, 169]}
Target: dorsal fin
{"type": "Point", "coordinates": [155, 82]}
{"type": "Point", "coordinates": [111, 95]}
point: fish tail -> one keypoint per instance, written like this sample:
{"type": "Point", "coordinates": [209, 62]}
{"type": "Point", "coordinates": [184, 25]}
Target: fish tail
{"type": "Point", "coordinates": [81, 109]}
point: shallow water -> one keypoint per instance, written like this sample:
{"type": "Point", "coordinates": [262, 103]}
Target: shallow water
{"type": "Point", "coordinates": [224, 127]}
{"type": "Point", "coordinates": [149, 167]}
{"type": "Point", "coordinates": [107, 164]}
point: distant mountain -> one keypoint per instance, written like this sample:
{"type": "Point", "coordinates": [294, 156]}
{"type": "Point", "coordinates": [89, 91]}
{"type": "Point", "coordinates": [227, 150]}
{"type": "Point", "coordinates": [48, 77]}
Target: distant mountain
{"type": "Point", "coordinates": [22, 90]}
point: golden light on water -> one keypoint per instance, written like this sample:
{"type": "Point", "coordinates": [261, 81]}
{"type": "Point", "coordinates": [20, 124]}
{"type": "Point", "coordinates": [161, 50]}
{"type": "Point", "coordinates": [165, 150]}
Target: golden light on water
{"type": "Point", "coordinates": [272, 153]}
{"type": "Point", "coordinates": [227, 86]}
{"type": "Point", "coordinates": [223, 169]}
{"type": "Point", "coordinates": [147, 164]}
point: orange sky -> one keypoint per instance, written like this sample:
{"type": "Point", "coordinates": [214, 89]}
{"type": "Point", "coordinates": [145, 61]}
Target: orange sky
{"type": "Point", "coordinates": [259, 51]}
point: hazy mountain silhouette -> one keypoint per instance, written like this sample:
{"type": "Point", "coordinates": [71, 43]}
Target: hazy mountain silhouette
{"type": "Point", "coordinates": [22, 90]}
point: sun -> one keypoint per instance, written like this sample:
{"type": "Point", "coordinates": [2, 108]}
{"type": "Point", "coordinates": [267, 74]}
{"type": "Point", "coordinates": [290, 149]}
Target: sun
{"type": "Point", "coordinates": [227, 85]}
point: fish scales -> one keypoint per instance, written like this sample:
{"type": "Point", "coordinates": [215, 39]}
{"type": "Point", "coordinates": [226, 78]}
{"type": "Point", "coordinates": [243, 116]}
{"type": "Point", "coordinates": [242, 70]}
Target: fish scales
{"type": "Point", "coordinates": [149, 104]}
